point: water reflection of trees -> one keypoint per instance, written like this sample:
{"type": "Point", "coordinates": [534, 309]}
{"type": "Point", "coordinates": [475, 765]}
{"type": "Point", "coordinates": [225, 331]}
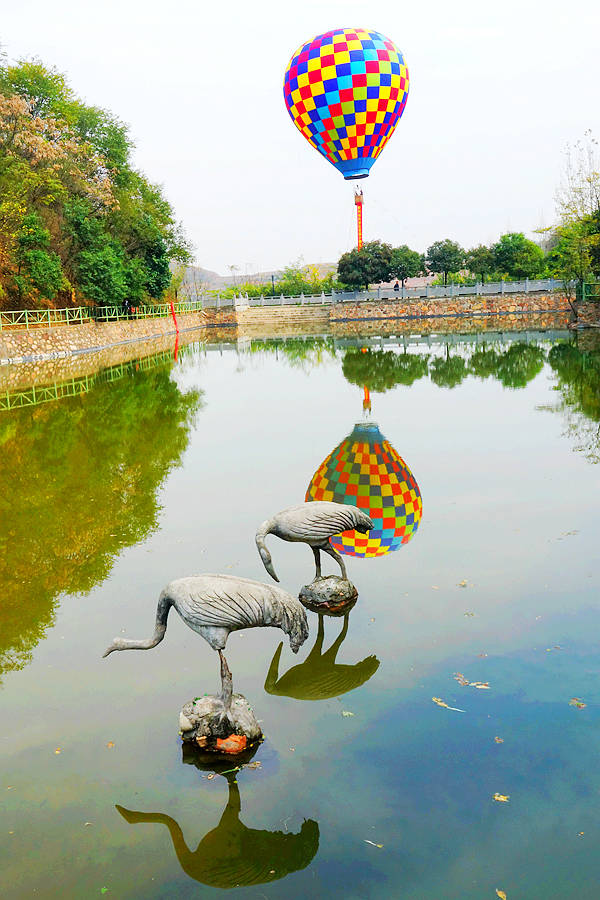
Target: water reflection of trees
{"type": "Point", "coordinates": [578, 373]}
{"type": "Point", "coordinates": [380, 370]}
{"type": "Point", "coordinates": [78, 482]}
{"type": "Point", "coordinates": [300, 352]}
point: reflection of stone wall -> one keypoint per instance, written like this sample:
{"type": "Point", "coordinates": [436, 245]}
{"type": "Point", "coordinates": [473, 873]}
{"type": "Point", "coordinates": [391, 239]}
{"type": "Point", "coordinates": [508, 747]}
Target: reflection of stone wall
{"type": "Point", "coordinates": [508, 305]}
{"type": "Point", "coordinates": [458, 325]}
{"type": "Point", "coordinates": [588, 313]}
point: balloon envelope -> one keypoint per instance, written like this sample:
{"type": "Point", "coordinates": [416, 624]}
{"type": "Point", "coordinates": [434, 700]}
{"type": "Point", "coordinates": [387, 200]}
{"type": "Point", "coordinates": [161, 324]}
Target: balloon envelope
{"type": "Point", "coordinates": [345, 91]}
{"type": "Point", "coordinates": [365, 471]}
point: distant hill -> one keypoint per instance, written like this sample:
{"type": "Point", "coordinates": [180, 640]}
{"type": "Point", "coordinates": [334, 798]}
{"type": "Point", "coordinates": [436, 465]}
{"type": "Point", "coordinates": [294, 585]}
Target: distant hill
{"type": "Point", "coordinates": [197, 279]}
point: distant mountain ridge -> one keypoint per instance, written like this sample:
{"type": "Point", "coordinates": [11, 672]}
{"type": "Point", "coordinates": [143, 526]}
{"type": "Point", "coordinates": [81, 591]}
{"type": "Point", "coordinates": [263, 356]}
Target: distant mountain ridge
{"type": "Point", "coordinates": [197, 279]}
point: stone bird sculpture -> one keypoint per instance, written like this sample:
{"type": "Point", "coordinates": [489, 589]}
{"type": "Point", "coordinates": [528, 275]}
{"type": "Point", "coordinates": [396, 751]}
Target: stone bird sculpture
{"type": "Point", "coordinates": [313, 524]}
{"type": "Point", "coordinates": [214, 606]}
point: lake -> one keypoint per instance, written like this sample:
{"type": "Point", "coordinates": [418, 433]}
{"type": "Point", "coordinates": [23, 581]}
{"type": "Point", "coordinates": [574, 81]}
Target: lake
{"type": "Point", "coordinates": [365, 786]}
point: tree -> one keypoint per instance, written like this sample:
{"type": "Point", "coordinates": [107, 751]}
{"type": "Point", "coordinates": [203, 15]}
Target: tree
{"type": "Point", "coordinates": [578, 196]}
{"type": "Point", "coordinates": [571, 258]}
{"type": "Point", "coordinates": [109, 232]}
{"type": "Point", "coordinates": [445, 256]}
{"type": "Point", "coordinates": [360, 268]}
{"type": "Point", "coordinates": [480, 261]}
{"type": "Point", "coordinates": [38, 268]}
{"type": "Point", "coordinates": [406, 263]}
{"type": "Point", "coordinates": [518, 257]}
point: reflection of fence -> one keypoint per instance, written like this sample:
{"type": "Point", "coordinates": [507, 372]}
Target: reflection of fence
{"type": "Point", "coordinates": [80, 315]}
{"type": "Point", "coordinates": [74, 387]}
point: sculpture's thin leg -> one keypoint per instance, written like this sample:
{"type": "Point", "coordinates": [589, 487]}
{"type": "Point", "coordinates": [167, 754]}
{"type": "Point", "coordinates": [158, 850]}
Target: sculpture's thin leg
{"type": "Point", "coordinates": [315, 550]}
{"type": "Point", "coordinates": [329, 549]}
{"type": "Point", "coordinates": [226, 682]}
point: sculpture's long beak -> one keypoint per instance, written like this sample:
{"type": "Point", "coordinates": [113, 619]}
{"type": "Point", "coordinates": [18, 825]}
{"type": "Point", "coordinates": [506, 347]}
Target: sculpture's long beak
{"type": "Point", "coordinates": [266, 558]}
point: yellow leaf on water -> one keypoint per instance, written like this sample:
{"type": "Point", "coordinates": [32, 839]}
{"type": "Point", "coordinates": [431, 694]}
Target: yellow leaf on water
{"type": "Point", "coordinates": [110, 745]}
{"type": "Point", "coordinates": [499, 740]}
{"type": "Point", "coordinates": [58, 750]}
{"type": "Point", "coordinates": [482, 685]}
{"type": "Point", "coordinates": [462, 583]}
{"type": "Point", "coordinates": [501, 894]}
{"type": "Point", "coordinates": [501, 798]}
{"type": "Point", "coordinates": [439, 702]}
{"type": "Point", "coordinates": [579, 704]}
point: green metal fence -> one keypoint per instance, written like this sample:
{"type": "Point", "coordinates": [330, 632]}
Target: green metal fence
{"type": "Point", "coordinates": [51, 318]}
{"type": "Point", "coordinates": [588, 291]}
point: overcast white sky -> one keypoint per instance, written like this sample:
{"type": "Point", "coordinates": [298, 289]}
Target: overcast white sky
{"type": "Point", "coordinates": [497, 90]}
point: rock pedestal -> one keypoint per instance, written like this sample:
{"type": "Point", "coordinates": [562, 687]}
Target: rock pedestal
{"type": "Point", "coordinates": [208, 724]}
{"type": "Point", "coordinates": [332, 595]}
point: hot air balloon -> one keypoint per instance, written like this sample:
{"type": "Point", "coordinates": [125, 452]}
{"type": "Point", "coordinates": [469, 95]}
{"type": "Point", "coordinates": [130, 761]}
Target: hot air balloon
{"type": "Point", "coordinates": [345, 90]}
{"type": "Point", "coordinates": [365, 471]}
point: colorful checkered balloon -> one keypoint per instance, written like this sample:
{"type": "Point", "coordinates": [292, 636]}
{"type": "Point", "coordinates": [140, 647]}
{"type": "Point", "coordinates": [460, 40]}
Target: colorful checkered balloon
{"type": "Point", "coordinates": [365, 471]}
{"type": "Point", "coordinates": [345, 91]}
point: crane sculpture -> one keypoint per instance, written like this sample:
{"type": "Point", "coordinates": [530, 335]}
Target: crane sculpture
{"type": "Point", "coordinates": [313, 524]}
{"type": "Point", "coordinates": [214, 606]}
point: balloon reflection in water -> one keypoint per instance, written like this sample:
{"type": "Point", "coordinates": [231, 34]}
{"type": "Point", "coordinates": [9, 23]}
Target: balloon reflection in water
{"type": "Point", "coordinates": [365, 471]}
{"type": "Point", "coordinates": [320, 677]}
{"type": "Point", "coordinates": [233, 855]}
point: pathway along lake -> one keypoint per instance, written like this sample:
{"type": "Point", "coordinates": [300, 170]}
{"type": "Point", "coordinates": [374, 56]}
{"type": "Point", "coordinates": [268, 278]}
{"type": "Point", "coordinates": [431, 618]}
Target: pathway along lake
{"type": "Point", "coordinates": [366, 787]}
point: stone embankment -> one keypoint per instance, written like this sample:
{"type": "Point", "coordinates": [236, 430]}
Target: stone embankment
{"type": "Point", "coordinates": [457, 314]}
{"type": "Point", "coordinates": [64, 340]}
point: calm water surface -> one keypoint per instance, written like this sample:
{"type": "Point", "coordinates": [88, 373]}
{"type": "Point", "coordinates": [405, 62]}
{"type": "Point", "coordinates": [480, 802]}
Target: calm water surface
{"type": "Point", "coordinates": [367, 788]}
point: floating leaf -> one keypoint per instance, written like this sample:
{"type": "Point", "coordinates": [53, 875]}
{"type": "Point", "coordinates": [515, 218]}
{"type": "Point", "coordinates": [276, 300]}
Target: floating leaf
{"type": "Point", "coordinates": [58, 750]}
{"type": "Point", "coordinates": [501, 894]}
{"type": "Point", "coordinates": [373, 844]}
{"type": "Point", "coordinates": [346, 713]}
{"type": "Point", "coordinates": [462, 583]}
{"type": "Point", "coordinates": [211, 776]}
{"type": "Point", "coordinates": [253, 765]}
{"type": "Point", "coordinates": [469, 614]}
{"type": "Point", "coordinates": [499, 740]}
{"type": "Point", "coordinates": [87, 824]}
{"type": "Point", "coordinates": [110, 745]}
{"type": "Point", "coordinates": [435, 587]}
{"type": "Point", "coordinates": [501, 798]}
{"type": "Point", "coordinates": [579, 704]}
{"type": "Point", "coordinates": [292, 749]}
{"type": "Point", "coordinates": [482, 685]}
{"type": "Point", "coordinates": [440, 702]}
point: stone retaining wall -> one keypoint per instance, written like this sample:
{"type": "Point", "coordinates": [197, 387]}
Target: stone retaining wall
{"type": "Point", "coordinates": [468, 306]}
{"type": "Point", "coordinates": [503, 311]}
{"type": "Point", "coordinates": [64, 340]}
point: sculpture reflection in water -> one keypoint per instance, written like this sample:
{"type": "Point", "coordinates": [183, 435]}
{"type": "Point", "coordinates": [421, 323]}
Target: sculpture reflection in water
{"type": "Point", "coordinates": [233, 855]}
{"type": "Point", "coordinates": [320, 677]}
